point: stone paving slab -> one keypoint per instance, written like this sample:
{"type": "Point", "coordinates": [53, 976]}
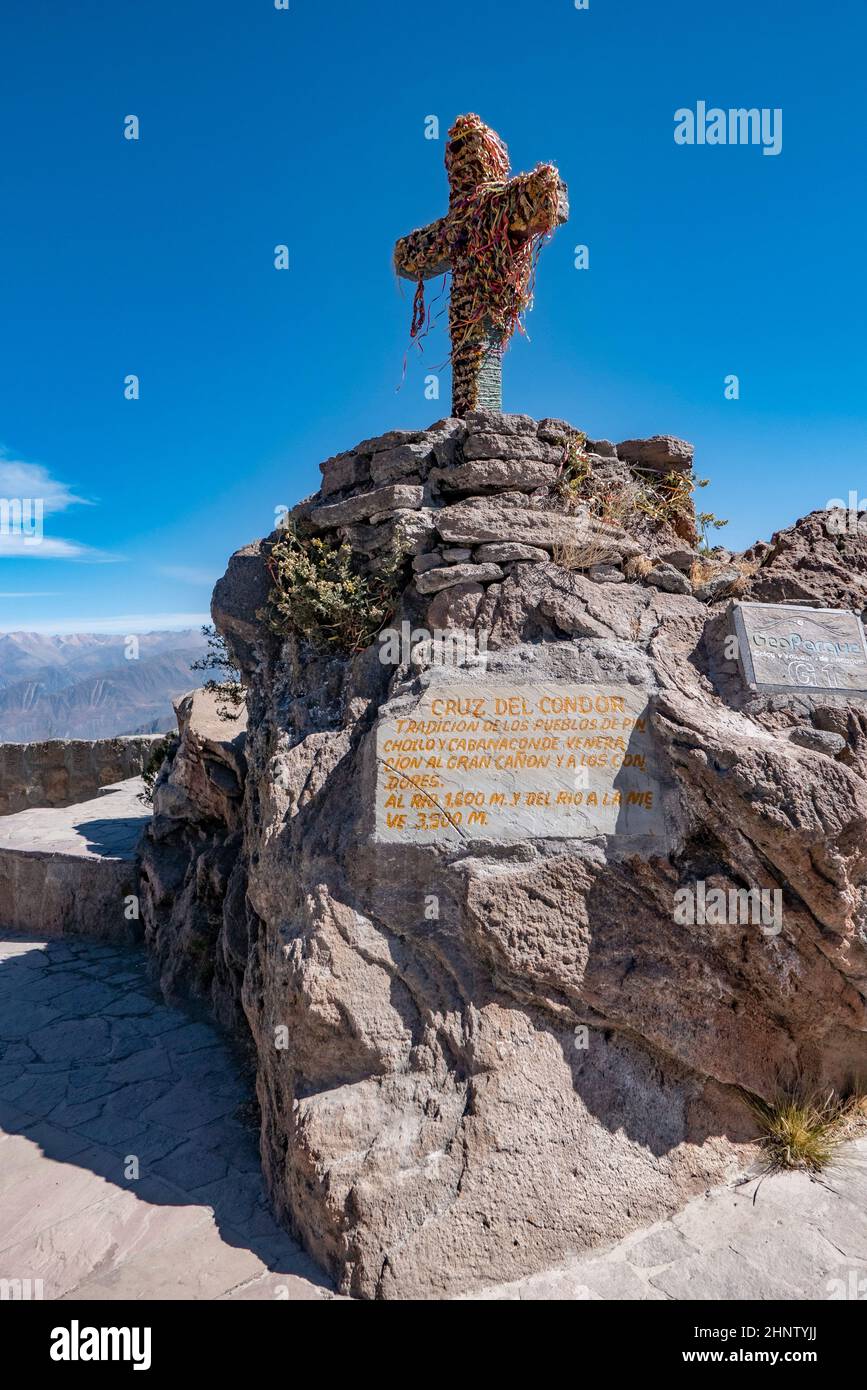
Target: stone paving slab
{"type": "Point", "coordinates": [784, 1236]}
{"type": "Point", "coordinates": [107, 827]}
{"type": "Point", "coordinates": [131, 1193]}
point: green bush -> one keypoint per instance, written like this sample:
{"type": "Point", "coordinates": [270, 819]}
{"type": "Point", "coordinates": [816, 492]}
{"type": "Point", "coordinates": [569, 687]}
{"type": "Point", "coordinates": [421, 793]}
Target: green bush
{"type": "Point", "coordinates": [151, 770]}
{"type": "Point", "coordinates": [229, 691]}
{"type": "Point", "coordinates": [321, 593]}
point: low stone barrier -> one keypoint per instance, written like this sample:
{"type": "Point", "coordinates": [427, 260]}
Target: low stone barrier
{"type": "Point", "coordinates": [73, 869]}
{"type": "Point", "coordinates": [61, 772]}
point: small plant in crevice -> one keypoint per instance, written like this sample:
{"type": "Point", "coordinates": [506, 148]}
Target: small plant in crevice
{"type": "Point", "coordinates": [166, 748]}
{"type": "Point", "coordinates": [803, 1128]}
{"type": "Point", "coordinates": [579, 489]}
{"type": "Point", "coordinates": [228, 690]}
{"type": "Point", "coordinates": [705, 521]}
{"type": "Point", "coordinates": [665, 496]}
{"type": "Point", "coordinates": [321, 593]}
{"type": "Point", "coordinates": [574, 469]}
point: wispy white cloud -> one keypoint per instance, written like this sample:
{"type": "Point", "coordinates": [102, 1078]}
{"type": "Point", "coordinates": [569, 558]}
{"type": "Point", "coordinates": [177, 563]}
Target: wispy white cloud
{"type": "Point", "coordinates": [20, 479]}
{"type": "Point", "coordinates": [35, 593]}
{"type": "Point", "coordinates": [28, 494]}
{"type": "Point", "coordinates": [189, 574]}
{"type": "Point", "coordinates": [127, 623]}
{"type": "Point", "coordinates": [17, 546]}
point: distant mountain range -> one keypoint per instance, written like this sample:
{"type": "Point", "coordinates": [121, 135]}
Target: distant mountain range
{"type": "Point", "coordinates": [85, 686]}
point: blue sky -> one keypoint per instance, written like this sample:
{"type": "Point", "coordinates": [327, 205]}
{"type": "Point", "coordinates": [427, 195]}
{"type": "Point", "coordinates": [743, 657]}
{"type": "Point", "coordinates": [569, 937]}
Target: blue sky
{"type": "Point", "coordinates": [306, 127]}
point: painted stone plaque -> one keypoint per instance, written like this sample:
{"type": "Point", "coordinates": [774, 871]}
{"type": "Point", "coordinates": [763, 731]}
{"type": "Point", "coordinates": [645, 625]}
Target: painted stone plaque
{"type": "Point", "coordinates": [517, 762]}
{"type": "Point", "coordinates": [784, 647]}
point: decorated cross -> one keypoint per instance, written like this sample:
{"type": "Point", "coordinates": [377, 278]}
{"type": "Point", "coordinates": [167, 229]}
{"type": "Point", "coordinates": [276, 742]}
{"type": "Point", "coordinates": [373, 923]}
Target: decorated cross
{"type": "Point", "coordinates": [489, 240]}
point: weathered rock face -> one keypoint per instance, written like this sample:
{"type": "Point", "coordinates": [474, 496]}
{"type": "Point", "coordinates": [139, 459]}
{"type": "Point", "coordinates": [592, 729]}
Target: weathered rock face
{"type": "Point", "coordinates": [821, 560]}
{"type": "Point", "coordinates": [62, 772]}
{"type": "Point", "coordinates": [193, 882]}
{"type": "Point", "coordinates": [477, 1051]}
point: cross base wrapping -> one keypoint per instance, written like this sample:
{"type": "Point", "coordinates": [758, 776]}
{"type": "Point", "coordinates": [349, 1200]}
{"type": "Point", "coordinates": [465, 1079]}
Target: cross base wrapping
{"type": "Point", "coordinates": [490, 379]}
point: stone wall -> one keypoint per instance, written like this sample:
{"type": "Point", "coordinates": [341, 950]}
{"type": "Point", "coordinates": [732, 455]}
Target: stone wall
{"type": "Point", "coordinates": [61, 772]}
{"type": "Point", "coordinates": [475, 1051]}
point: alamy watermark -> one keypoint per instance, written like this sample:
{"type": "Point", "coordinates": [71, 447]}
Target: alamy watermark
{"type": "Point", "coordinates": [77, 1343]}
{"type": "Point", "coordinates": [698, 905]}
{"type": "Point", "coordinates": [711, 125]}
{"type": "Point", "coordinates": [854, 1286]}
{"type": "Point", "coordinates": [847, 518]}
{"type": "Point", "coordinates": [452, 647]}
{"type": "Point", "coordinates": [24, 517]}
{"type": "Point", "coordinates": [21, 1290]}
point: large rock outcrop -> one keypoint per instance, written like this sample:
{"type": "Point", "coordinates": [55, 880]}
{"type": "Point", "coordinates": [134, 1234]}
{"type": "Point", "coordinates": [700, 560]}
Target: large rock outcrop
{"type": "Point", "coordinates": [821, 560]}
{"type": "Point", "coordinates": [477, 1052]}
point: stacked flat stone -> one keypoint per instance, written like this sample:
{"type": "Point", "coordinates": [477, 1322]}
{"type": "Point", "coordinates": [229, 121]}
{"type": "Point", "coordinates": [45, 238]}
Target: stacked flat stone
{"type": "Point", "coordinates": [469, 499]}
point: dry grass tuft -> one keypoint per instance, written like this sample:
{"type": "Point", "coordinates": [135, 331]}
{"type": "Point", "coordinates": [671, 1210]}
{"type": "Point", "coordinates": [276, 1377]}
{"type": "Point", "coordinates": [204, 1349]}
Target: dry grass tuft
{"type": "Point", "coordinates": [637, 566]}
{"type": "Point", "coordinates": [706, 567]}
{"type": "Point", "coordinates": [580, 555]}
{"type": "Point", "coordinates": [589, 545]}
{"type": "Point", "coordinates": [702, 569]}
{"type": "Point", "coordinates": [802, 1128]}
